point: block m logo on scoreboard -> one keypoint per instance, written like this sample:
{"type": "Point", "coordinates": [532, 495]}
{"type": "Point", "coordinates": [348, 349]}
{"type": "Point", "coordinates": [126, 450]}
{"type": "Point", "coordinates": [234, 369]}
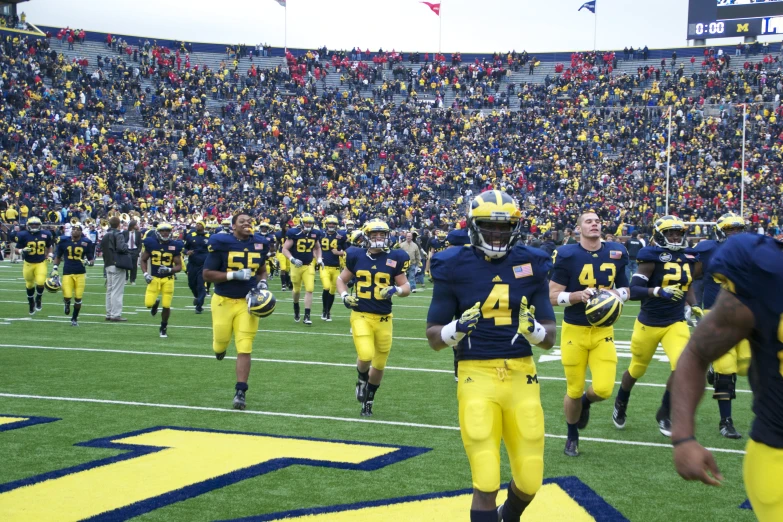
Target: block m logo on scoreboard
{"type": "Point", "coordinates": [743, 28]}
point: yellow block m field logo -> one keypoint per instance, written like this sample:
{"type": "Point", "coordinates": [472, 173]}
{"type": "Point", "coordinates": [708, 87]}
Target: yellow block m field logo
{"type": "Point", "coordinates": [743, 28]}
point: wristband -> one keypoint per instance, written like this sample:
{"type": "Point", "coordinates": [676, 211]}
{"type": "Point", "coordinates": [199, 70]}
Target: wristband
{"type": "Point", "coordinates": [537, 336]}
{"type": "Point", "coordinates": [145, 274]}
{"type": "Point", "coordinates": [450, 335]}
{"type": "Point", "coordinates": [683, 440]}
{"type": "Point", "coordinates": [229, 276]}
{"type": "Point", "coordinates": [623, 294]}
{"type": "Point", "coordinates": [54, 267]}
{"type": "Point", "coordinates": [656, 291]}
{"type": "Point", "coordinates": [564, 299]}
{"type": "Point", "coordinates": [342, 296]}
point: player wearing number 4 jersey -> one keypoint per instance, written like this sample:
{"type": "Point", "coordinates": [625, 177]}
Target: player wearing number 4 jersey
{"type": "Point", "coordinates": [35, 245]}
{"type": "Point", "coordinates": [749, 268]}
{"type": "Point", "coordinates": [76, 251]}
{"type": "Point", "coordinates": [663, 285]}
{"type": "Point", "coordinates": [380, 275]}
{"type": "Point", "coordinates": [236, 263]}
{"type": "Point", "coordinates": [579, 271]}
{"type": "Point", "coordinates": [492, 300]}
{"type": "Point", "coordinates": [165, 256]}
{"type": "Point", "coordinates": [303, 249]}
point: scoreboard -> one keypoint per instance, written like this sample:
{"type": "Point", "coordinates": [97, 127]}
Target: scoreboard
{"type": "Point", "coordinates": [724, 18]}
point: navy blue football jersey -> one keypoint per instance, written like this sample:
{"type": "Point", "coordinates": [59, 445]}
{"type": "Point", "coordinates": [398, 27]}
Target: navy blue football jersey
{"type": "Point", "coordinates": [304, 242]}
{"type": "Point", "coordinates": [228, 254]}
{"type": "Point", "coordinates": [707, 250]}
{"type": "Point", "coordinates": [335, 240]}
{"type": "Point", "coordinates": [271, 241]}
{"type": "Point", "coordinates": [750, 266]}
{"type": "Point", "coordinates": [74, 253]}
{"type": "Point", "coordinates": [373, 273]}
{"type": "Point", "coordinates": [577, 269]}
{"type": "Point", "coordinates": [671, 268]}
{"type": "Point", "coordinates": [458, 237]}
{"type": "Point", "coordinates": [162, 253]}
{"type": "Point", "coordinates": [198, 244]}
{"type": "Point", "coordinates": [437, 245]}
{"type": "Point", "coordinates": [40, 241]}
{"type": "Point", "coordinates": [464, 276]}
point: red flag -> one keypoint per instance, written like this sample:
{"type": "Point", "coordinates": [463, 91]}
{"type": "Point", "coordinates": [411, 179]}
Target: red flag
{"type": "Point", "coordinates": [435, 7]}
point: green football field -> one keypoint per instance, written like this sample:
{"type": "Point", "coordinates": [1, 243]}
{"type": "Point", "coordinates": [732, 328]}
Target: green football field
{"type": "Point", "coordinates": [109, 421]}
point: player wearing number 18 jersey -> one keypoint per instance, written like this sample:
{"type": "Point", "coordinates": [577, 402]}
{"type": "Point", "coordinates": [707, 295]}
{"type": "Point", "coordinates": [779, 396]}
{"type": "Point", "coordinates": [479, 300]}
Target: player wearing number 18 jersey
{"type": "Point", "coordinates": [491, 299]}
{"type": "Point", "coordinates": [579, 271]}
{"type": "Point", "coordinates": [749, 268]}
{"type": "Point", "coordinates": [663, 285]}
{"type": "Point", "coordinates": [236, 264]}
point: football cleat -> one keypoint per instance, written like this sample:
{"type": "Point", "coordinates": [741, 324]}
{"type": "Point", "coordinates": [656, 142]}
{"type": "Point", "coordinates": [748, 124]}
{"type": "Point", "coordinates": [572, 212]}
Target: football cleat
{"type": "Point", "coordinates": [367, 409]}
{"type": "Point", "coordinates": [239, 400]}
{"type": "Point", "coordinates": [296, 317]}
{"type": "Point", "coordinates": [74, 322]}
{"type": "Point", "coordinates": [711, 376]}
{"type": "Point", "coordinates": [618, 415]}
{"type": "Point", "coordinates": [329, 317]}
{"type": "Point", "coordinates": [361, 390]}
{"type": "Point", "coordinates": [307, 320]}
{"type": "Point", "coordinates": [154, 309]}
{"type": "Point", "coordinates": [38, 304]}
{"type": "Point", "coordinates": [323, 316]}
{"type": "Point", "coordinates": [664, 422]}
{"type": "Point", "coordinates": [571, 448]}
{"type": "Point", "coordinates": [727, 429]}
{"type": "Point", "coordinates": [220, 356]}
{"type": "Point", "coordinates": [163, 333]}
{"type": "Point", "coordinates": [32, 307]}
{"type": "Point", "coordinates": [584, 418]}
{"type": "Point", "coordinates": [199, 310]}
{"type": "Point", "coordinates": [500, 513]}
{"type": "Point", "coordinates": [67, 309]}
{"type": "Point", "coordinates": [195, 301]}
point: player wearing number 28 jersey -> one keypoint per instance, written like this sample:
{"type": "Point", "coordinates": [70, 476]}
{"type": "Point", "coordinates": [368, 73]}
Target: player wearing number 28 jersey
{"type": "Point", "coordinates": [663, 285]}
{"type": "Point", "coordinates": [491, 299]}
{"type": "Point", "coordinates": [579, 271]}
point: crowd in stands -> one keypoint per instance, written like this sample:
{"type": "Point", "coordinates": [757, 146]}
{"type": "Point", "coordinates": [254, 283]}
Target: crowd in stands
{"type": "Point", "coordinates": [274, 142]}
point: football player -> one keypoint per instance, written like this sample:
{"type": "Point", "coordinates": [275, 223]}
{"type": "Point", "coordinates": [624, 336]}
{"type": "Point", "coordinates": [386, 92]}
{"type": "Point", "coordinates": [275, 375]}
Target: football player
{"type": "Point", "coordinates": [333, 246]}
{"type": "Point", "coordinates": [302, 247]}
{"type": "Point", "coordinates": [235, 264]}
{"type": "Point", "coordinates": [265, 229]}
{"type": "Point", "coordinates": [663, 285]}
{"type": "Point", "coordinates": [749, 268]}
{"type": "Point", "coordinates": [283, 263]}
{"type": "Point", "coordinates": [77, 251]}
{"type": "Point", "coordinates": [35, 246]}
{"type": "Point", "coordinates": [457, 237]}
{"type": "Point", "coordinates": [723, 376]}
{"type": "Point", "coordinates": [437, 244]}
{"type": "Point", "coordinates": [492, 300]}
{"type": "Point", "coordinates": [579, 271]}
{"type": "Point", "coordinates": [196, 242]}
{"type": "Point", "coordinates": [380, 275]}
{"type": "Point", "coordinates": [165, 257]}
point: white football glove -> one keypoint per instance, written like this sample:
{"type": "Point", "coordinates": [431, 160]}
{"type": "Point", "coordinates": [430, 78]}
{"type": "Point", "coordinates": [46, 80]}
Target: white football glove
{"type": "Point", "coordinates": [164, 270]}
{"type": "Point", "coordinates": [147, 278]}
{"type": "Point", "coordinates": [296, 262]}
{"type": "Point", "coordinates": [240, 275]}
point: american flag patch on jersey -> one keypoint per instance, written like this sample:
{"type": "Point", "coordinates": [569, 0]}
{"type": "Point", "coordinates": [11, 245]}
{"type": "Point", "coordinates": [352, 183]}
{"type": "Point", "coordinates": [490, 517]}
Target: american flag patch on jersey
{"type": "Point", "coordinates": [258, 246]}
{"type": "Point", "coordinates": [615, 254]}
{"type": "Point", "coordinates": [688, 256]}
{"type": "Point", "coordinates": [391, 262]}
{"type": "Point", "coordinates": [525, 270]}
{"type": "Point", "coordinates": [172, 247]}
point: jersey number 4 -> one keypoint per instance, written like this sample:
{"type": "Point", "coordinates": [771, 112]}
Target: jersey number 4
{"type": "Point", "coordinates": [496, 306]}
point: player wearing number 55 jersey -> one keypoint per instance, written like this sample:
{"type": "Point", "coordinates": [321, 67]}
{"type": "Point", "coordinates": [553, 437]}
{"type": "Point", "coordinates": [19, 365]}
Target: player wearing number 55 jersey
{"type": "Point", "coordinates": [301, 247]}
{"type": "Point", "coordinates": [380, 275]}
{"type": "Point", "coordinates": [236, 263]}
{"type": "Point", "coordinates": [165, 257]}
{"type": "Point", "coordinates": [750, 306]}
{"type": "Point", "coordinates": [663, 285]}
{"type": "Point", "coordinates": [579, 270]}
{"type": "Point", "coordinates": [76, 251]}
{"type": "Point", "coordinates": [35, 245]}
{"type": "Point", "coordinates": [491, 299]}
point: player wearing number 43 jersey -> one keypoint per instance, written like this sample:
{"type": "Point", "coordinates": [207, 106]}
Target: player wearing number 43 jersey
{"type": "Point", "coordinates": [236, 263]}
{"type": "Point", "coordinates": [579, 271]}
{"type": "Point", "coordinates": [749, 268]}
{"type": "Point", "coordinates": [76, 251]}
{"type": "Point", "coordinates": [35, 245]}
{"type": "Point", "coordinates": [303, 249]}
{"type": "Point", "coordinates": [492, 300]}
{"type": "Point", "coordinates": [380, 275]}
{"type": "Point", "coordinates": [663, 285]}
{"type": "Point", "coordinates": [165, 256]}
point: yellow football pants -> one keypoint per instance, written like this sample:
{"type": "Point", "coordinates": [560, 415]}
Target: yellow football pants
{"type": "Point", "coordinates": [588, 346]}
{"type": "Point", "coordinates": [159, 286]}
{"type": "Point", "coordinates": [285, 264]}
{"type": "Point", "coordinates": [500, 399]}
{"type": "Point", "coordinates": [73, 285]}
{"type": "Point", "coordinates": [762, 469]}
{"type": "Point", "coordinates": [736, 360]}
{"type": "Point", "coordinates": [305, 275]}
{"type": "Point", "coordinates": [230, 316]}
{"type": "Point", "coordinates": [329, 276]}
{"type": "Point", "coordinates": [372, 337]}
{"type": "Point", "coordinates": [645, 340]}
{"type": "Point", "coordinates": [34, 274]}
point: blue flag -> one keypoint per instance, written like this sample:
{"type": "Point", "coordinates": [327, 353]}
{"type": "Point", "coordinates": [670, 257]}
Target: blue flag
{"type": "Point", "coordinates": [590, 6]}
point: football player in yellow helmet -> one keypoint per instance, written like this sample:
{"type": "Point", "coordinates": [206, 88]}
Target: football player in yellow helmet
{"type": "Point", "coordinates": [165, 257]}
{"type": "Point", "coordinates": [333, 245]}
{"type": "Point", "coordinates": [77, 252]}
{"type": "Point", "coordinates": [303, 249]}
{"type": "Point", "coordinates": [35, 246]}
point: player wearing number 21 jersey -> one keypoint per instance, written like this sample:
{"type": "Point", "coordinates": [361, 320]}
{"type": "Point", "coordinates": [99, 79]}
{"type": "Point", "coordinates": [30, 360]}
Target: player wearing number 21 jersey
{"type": "Point", "coordinates": [663, 285]}
{"type": "Point", "coordinates": [491, 299]}
{"type": "Point", "coordinates": [749, 268]}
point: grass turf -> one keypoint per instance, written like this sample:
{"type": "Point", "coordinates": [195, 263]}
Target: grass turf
{"type": "Point", "coordinates": [637, 480]}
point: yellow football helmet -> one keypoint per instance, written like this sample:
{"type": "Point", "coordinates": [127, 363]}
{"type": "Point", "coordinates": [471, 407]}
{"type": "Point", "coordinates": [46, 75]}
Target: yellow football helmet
{"type": "Point", "coordinates": [33, 224]}
{"type": "Point", "coordinates": [488, 210]}
{"type": "Point", "coordinates": [278, 228]}
{"type": "Point", "coordinates": [350, 225]}
{"type": "Point", "coordinates": [307, 221]}
{"type": "Point", "coordinates": [441, 235]}
{"type": "Point", "coordinates": [357, 238]}
{"type": "Point", "coordinates": [669, 233]}
{"type": "Point", "coordinates": [331, 223]}
{"type": "Point", "coordinates": [728, 225]}
{"type": "Point", "coordinates": [163, 231]}
{"type": "Point", "coordinates": [265, 227]}
{"type": "Point", "coordinates": [52, 284]}
{"type": "Point", "coordinates": [375, 226]}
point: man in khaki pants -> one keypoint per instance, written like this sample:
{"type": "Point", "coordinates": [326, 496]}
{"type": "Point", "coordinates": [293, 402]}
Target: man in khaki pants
{"type": "Point", "coordinates": [112, 244]}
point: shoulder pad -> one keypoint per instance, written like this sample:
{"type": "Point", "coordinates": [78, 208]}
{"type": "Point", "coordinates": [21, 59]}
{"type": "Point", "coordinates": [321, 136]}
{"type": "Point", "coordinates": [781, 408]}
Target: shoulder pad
{"type": "Point", "coordinates": [566, 251]}
{"type": "Point", "coordinates": [705, 246]}
{"type": "Point", "coordinates": [614, 245]}
{"type": "Point", "coordinates": [443, 263]}
{"type": "Point", "coordinates": [654, 253]}
{"type": "Point", "coordinates": [539, 260]}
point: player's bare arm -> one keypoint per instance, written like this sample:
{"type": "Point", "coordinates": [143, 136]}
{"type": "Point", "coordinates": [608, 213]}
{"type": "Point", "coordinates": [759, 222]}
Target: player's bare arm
{"type": "Point", "coordinates": [287, 246]}
{"type": "Point", "coordinates": [558, 296]}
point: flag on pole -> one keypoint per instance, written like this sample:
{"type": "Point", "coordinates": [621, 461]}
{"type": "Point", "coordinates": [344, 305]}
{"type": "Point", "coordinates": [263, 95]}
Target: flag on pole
{"type": "Point", "coordinates": [281, 2]}
{"type": "Point", "coordinates": [435, 7]}
{"type": "Point", "coordinates": [590, 6]}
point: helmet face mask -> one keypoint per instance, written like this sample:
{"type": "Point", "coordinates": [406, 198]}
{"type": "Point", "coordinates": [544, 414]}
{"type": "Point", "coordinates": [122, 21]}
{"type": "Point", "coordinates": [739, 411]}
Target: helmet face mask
{"type": "Point", "coordinates": [307, 221]}
{"type": "Point", "coordinates": [331, 224]}
{"type": "Point", "coordinates": [377, 234]}
{"type": "Point", "coordinates": [669, 233]}
{"type": "Point", "coordinates": [33, 224]}
{"type": "Point", "coordinates": [163, 232]}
